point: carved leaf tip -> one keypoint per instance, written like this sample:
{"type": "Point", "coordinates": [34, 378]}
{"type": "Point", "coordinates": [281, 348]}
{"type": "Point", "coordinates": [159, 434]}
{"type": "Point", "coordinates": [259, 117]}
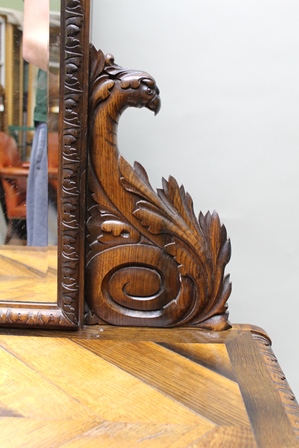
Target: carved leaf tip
{"type": "Point", "coordinates": [140, 170]}
{"type": "Point", "coordinates": [170, 186]}
{"type": "Point", "coordinates": [177, 194]}
{"type": "Point", "coordinates": [225, 253]}
{"type": "Point", "coordinates": [209, 219]}
{"type": "Point", "coordinates": [151, 217]}
{"type": "Point", "coordinates": [97, 62]}
{"type": "Point", "coordinates": [135, 179]}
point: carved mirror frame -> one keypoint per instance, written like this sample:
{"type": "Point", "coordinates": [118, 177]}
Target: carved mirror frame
{"type": "Point", "coordinates": [67, 312]}
{"type": "Point", "coordinates": [147, 259]}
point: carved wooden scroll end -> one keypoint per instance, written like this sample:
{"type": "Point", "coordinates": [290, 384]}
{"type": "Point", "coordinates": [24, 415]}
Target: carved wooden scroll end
{"type": "Point", "coordinates": [150, 260]}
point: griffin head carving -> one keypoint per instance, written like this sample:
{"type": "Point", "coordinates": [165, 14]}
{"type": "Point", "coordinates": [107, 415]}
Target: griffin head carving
{"type": "Point", "coordinates": [121, 87]}
{"type": "Point", "coordinates": [145, 95]}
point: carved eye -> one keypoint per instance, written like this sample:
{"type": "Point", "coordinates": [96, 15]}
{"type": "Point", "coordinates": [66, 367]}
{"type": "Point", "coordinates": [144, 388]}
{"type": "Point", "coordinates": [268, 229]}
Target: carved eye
{"type": "Point", "coordinates": [149, 90]}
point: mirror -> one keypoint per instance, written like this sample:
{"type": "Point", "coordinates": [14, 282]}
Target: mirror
{"type": "Point", "coordinates": [57, 302]}
{"type": "Point", "coordinates": [22, 91]}
{"type": "Point", "coordinates": [28, 210]}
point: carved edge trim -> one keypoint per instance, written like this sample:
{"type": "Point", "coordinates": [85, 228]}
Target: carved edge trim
{"type": "Point", "coordinates": [73, 137]}
{"type": "Point", "coordinates": [287, 397]}
{"type": "Point", "coordinates": [73, 123]}
{"type": "Point", "coordinates": [34, 316]}
{"type": "Point", "coordinates": [254, 329]}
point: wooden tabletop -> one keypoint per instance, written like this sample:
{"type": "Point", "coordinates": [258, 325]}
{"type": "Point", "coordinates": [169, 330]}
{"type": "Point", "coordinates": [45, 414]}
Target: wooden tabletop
{"type": "Point", "coordinates": [28, 274]}
{"type": "Point", "coordinates": [123, 387]}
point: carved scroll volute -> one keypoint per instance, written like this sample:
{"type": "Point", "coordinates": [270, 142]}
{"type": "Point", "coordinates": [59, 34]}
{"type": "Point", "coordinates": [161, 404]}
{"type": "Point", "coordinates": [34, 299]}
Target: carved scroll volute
{"type": "Point", "coordinates": [150, 261]}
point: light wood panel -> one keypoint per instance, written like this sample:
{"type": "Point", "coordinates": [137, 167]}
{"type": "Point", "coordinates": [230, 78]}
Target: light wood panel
{"type": "Point", "coordinates": [28, 274]}
{"type": "Point", "coordinates": [205, 392]}
{"type": "Point", "coordinates": [114, 387]}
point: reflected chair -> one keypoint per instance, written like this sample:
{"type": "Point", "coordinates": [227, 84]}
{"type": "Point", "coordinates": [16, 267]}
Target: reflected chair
{"type": "Point", "coordinates": [13, 175]}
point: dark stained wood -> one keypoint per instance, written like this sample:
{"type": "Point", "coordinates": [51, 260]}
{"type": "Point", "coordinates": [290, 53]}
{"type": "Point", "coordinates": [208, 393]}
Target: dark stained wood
{"type": "Point", "coordinates": [149, 261]}
{"type": "Point", "coordinates": [75, 18]}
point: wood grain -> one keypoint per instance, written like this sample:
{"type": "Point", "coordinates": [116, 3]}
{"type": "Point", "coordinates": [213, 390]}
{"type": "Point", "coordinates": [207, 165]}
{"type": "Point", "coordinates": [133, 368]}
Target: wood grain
{"type": "Point", "coordinates": [98, 376]}
{"type": "Point", "coordinates": [265, 409]}
{"type": "Point", "coordinates": [36, 433]}
{"type": "Point", "coordinates": [150, 261]}
{"type": "Point", "coordinates": [125, 387]}
{"type": "Point", "coordinates": [189, 383]}
{"type": "Point", "coordinates": [214, 357]}
{"type": "Point", "coordinates": [28, 274]}
{"type": "Point", "coordinates": [277, 376]}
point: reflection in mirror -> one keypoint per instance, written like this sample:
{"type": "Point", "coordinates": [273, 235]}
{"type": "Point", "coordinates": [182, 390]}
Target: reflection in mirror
{"type": "Point", "coordinates": [22, 265]}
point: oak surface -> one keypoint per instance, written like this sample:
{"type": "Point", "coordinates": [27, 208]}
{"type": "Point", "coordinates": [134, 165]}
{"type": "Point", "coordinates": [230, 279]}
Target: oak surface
{"type": "Point", "coordinates": [28, 274]}
{"type": "Point", "coordinates": [114, 386]}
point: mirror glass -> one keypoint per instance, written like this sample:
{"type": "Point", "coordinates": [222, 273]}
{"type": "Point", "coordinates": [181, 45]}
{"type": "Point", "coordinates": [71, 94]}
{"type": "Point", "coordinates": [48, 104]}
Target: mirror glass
{"type": "Point", "coordinates": [28, 260]}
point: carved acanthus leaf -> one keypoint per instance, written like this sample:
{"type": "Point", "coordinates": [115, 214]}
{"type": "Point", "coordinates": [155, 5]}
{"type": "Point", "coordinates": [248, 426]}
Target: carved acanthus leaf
{"type": "Point", "coordinates": [200, 247]}
{"type": "Point", "coordinates": [150, 260]}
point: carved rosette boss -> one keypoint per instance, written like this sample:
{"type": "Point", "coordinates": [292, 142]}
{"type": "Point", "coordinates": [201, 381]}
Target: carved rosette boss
{"type": "Point", "coordinates": [150, 261]}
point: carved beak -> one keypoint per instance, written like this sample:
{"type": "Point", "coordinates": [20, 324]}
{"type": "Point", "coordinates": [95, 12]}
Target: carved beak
{"type": "Point", "coordinates": [154, 104]}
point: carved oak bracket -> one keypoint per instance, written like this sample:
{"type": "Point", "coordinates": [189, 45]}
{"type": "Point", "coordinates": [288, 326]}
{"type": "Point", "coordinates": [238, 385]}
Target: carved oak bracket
{"type": "Point", "coordinates": [149, 260]}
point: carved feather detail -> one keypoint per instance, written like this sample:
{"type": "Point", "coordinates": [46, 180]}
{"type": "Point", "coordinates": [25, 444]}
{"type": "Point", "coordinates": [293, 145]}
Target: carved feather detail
{"type": "Point", "coordinates": [153, 236]}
